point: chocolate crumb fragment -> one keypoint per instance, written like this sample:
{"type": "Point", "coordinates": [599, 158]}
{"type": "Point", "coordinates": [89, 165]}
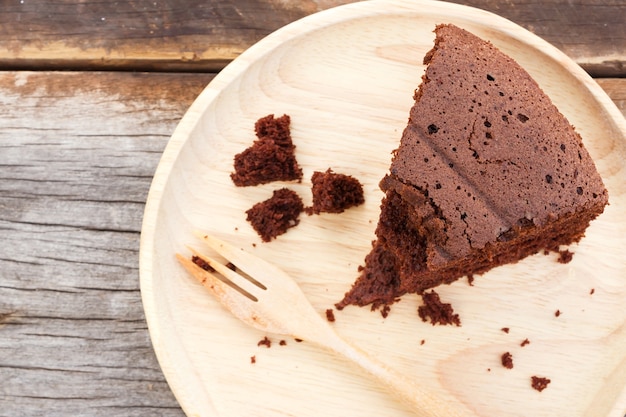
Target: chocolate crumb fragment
{"type": "Point", "coordinates": [271, 157]}
{"type": "Point", "coordinates": [334, 192]}
{"type": "Point", "coordinates": [557, 313]}
{"type": "Point", "coordinates": [252, 359]}
{"type": "Point", "coordinates": [525, 342]}
{"type": "Point", "coordinates": [330, 315]}
{"type": "Point", "coordinates": [265, 342]}
{"type": "Point", "coordinates": [507, 360]}
{"type": "Point", "coordinates": [505, 330]}
{"type": "Point", "coordinates": [539, 383]}
{"type": "Point", "coordinates": [438, 312]}
{"type": "Point", "coordinates": [565, 256]}
{"type": "Point", "coordinates": [385, 310]}
{"type": "Point", "coordinates": [202, 263]}
{"type": "Point", "coordinates": [470, 280]}
{"type": "Point", "coordinates": [423, 341]}
{"type": "Point", "coordinates": [298, 340]}
{"type": "Point", "coordinates": [283, 343]}
{"type": "Point", "coordinates": [274, 216]}
{"type": "Point", "coordinates": [592, 291]}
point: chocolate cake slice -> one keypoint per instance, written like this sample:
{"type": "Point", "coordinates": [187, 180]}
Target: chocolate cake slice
{"type": "Point", "coordinates": [488, 171]}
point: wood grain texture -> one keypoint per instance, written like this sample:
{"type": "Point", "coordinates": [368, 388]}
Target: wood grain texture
{"type": "Point", "coordinates": [72, 331]}
{"type": "Point", "coordinates": [77, 154]}
{"type": "Point", "coordinates": [203, 36]}
{"type": "Point", "coordinates": [316, 73]}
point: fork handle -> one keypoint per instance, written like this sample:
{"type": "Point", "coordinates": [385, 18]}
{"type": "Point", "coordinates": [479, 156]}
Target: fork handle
{"type": "Point", "coordinates": [423, 402]}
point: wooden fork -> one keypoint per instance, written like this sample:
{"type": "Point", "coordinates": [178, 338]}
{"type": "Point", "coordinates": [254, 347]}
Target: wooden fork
{"type": "Point", "coordinates": [273, 302]}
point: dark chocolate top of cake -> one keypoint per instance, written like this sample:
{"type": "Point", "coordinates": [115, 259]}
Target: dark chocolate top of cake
{"type": "Point", "coordinates": [487, 149]}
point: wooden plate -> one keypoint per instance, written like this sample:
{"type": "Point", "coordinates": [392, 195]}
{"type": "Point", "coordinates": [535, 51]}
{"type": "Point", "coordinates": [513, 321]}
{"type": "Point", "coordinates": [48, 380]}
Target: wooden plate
{"type": "Point", "coordinates": [346, 77]}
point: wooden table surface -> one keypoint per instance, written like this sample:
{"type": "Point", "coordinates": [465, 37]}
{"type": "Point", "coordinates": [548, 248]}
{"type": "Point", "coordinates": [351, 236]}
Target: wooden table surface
{"type": "Point", "coordinates": [90, 92]}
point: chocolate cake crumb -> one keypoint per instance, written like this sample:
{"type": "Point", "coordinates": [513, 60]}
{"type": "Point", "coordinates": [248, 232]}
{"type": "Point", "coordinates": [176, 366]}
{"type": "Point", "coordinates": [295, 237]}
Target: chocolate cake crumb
{"type": "Point", "coordinates": [525, 342]}
{"type": "Point", "coordinates": [470, 280]}
{"type": "Point", "coordinates": [330, 316]}
{"type": "Point", "coordinates": [298, 340]}
{"type": "Point", "coordinates": [253, 359]}
{"type": "Point", "coordinates": [438, 312]}
{"type": "Point", "coordinates": [507, 360]}
{"type": "Point", "coordinates": [271, 157]}
{"type": "Point", "coordinates": [385, 311]}
{"type": "Point", "coordinates": [272, 217]}
{"type": "Point", "coordinates": [283, 343]}
{"type": "Point", "coordinates": [202, 263]}
{"type": "Point", "coordinates": [265, 342]}
{"type": "Point", "coordinates": [334, 192]}
{"type": "Point", "coordinates": [539, 383]}
{"type": "Point", "coordinates": [591, 293]}
{"type": "Point", "coordinates": [565, 256]}
{"type": "Point", "coordinates": [505, 330]}
{"type": "Point", "coordinates": [557, 313]}
{"type": "Point", "coordinates": [423, 341]}
{"type": "Point", "coordinates": [231, 266]}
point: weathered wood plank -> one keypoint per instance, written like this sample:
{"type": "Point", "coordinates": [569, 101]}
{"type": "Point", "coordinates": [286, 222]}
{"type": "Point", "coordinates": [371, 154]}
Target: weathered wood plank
{"type": "Point", "coordinates": [204, 36]}
{"type": "Point", "coordinates": [77, 154]}
{"type": "Point", "coordinates": [616, 89]}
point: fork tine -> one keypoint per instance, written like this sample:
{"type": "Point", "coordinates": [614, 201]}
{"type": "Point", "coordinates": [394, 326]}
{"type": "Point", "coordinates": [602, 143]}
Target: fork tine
{"type": "Point", "coordinates": [234, 301]}
{"type": "Point", "coordinates": [247, 286]}
{"type": "Point", "coordinates": [262, 271]}
{"type": "Point", "coordinates": [216, 286]}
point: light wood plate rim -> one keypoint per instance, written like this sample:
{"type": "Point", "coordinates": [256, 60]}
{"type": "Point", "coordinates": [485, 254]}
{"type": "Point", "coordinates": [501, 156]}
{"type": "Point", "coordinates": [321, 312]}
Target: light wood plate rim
{"type": "Point", "coordinates": [178, 373]}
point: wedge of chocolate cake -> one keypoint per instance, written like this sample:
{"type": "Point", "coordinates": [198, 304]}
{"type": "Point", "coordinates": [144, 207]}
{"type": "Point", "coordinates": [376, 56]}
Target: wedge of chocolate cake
{"type": "Point", "coordinates": [488, 171]}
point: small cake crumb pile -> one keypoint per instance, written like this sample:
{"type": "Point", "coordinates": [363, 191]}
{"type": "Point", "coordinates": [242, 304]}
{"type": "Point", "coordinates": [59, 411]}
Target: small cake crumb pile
{"type": "Point", "coordinates": [565, 256]}
{"type": "Point", "coordinates": [265, 342]}
{"type": "Point", "coordinates": [330, 315]}
{"type": "Point", "coordinates": [438, 312]}
{"type": "Point", "coordinates": [507, 360]}
{"type": "Point", "coordinates": [272, 158]}
{"type": "Point", "coordinates": [539, 383]}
